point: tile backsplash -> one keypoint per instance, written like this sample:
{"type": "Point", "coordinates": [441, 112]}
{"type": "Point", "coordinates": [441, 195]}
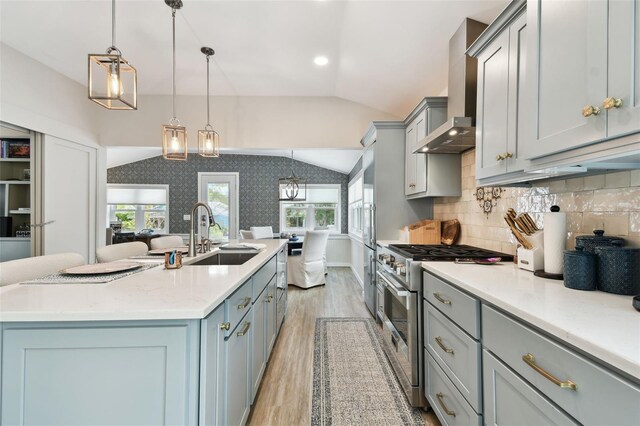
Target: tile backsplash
{"type": "Point", "coordinates": [608, 201]}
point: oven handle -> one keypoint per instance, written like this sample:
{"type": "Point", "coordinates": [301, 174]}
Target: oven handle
{"type": "Point", "coordinates": [398, 291]}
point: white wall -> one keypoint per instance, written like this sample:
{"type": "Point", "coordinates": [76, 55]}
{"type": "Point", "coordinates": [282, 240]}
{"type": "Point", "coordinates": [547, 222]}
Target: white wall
{"type": "Point", "coordinates": [338, 251]}
{"type": "Point", "coordinates": [246, 122]}
{"type": "Point", "coordinates": [357, 259]}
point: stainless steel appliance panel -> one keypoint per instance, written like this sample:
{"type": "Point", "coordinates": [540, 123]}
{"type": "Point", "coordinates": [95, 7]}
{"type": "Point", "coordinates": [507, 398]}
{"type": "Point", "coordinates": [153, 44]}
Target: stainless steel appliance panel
{"type": "Point", "coordinates": [370, 290]}
{"type": "Point", "coordinates": [368, 181]}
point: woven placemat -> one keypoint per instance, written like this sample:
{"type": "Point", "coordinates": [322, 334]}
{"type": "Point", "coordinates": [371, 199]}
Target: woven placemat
{"type": "Point", "coordinates": [58, 278]}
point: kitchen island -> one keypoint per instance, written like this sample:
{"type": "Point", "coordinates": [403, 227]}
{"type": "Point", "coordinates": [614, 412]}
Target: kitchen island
{"type": "Point", "coordinates": [186, 346]}
{"type": "Point", "coordinates": [542, 353]}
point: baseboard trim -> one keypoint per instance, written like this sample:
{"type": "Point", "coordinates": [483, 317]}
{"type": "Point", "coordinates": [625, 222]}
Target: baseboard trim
{"type": "Point", "coordinates": [339, 264]}
{"type": "Point", "coordinates": [357, 277]}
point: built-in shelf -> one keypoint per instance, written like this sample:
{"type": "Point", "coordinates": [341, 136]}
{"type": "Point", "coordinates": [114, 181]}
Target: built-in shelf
{"type": "Point", "coordinates": [19, 212]}
{"type": "Point", "coordinates": [15, 182]}
{"type": "Point", "coordinates": [15, 160]}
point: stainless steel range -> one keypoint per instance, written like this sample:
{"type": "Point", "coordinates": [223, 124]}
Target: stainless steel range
{"type": "Point", "coordinates": [399, 279]}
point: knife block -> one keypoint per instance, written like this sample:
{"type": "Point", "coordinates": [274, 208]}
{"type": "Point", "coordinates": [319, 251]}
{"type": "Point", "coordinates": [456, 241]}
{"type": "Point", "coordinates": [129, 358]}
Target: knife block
{"type": "Point", "coordinates": [531, 260]}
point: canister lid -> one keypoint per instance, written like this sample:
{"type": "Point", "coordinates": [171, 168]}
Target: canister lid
{"type": "Point", "coordinates": [579, 251]}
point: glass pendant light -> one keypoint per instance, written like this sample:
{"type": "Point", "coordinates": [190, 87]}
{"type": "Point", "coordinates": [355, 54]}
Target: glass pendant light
{"type": "Point", "coordinates": [208, 139]}
{"type": "Point", "coordinates": [292, 187]}
{"type": "Point", "coordinates": [112, 80]}
{"type": "Point", "coordinates": [174, 136]}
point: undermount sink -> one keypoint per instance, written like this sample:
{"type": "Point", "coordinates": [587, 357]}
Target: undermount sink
{"type": "Point", "coordinates": [225, 259]}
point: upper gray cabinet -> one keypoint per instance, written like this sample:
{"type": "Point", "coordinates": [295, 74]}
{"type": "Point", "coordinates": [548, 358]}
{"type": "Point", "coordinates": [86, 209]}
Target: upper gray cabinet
{"type": "Point", "coordinates": [583, 73]}
{"type": "Point", "coordinates": [428, 175]}
{"type": "Point", "coordinates": [501, 73]}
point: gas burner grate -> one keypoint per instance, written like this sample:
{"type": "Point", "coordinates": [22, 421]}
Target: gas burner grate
{"type": "Point", "coordinates": [445, 253]}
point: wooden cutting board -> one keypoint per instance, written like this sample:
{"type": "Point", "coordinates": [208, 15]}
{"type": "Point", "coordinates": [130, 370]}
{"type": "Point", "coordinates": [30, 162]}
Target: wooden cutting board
{"type": "Point", "coordinates": [425, 232]}
{"type": "Point", "coordinates": [450, 231]}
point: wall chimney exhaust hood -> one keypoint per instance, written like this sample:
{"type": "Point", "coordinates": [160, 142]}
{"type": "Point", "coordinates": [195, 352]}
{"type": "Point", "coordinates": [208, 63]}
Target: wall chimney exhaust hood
{"type": "Point", "coordinates": [458, 133]}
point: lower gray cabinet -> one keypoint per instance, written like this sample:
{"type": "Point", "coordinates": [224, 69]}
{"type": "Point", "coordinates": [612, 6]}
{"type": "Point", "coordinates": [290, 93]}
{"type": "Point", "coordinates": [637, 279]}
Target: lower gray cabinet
{"type": "Point", "coordinates": [212, 364]}
{"type": "Point", "coordinates": [270, 322]}
{"type": "Point", "coordinates": [143, 373]}
{"type": "Point", "coordinates": [509, 400]}
{"type": "Point", "coordinates": [237, 373]}
{"type": "Point", "coordinates": [258, 342]}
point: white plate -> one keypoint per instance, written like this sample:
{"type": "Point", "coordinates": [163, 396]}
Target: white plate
{"type": "Point", "coordinates": [101, 268]}
{"type": "Point", "coordinates": [183, 250]}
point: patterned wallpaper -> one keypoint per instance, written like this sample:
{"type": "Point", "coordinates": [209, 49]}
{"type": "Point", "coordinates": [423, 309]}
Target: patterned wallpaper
{"type": "Point", "coordinates": [258, 199]}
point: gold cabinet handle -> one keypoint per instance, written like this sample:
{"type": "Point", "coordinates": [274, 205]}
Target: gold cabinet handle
{"type": "Point", "coordinates": [499, 157]}
{"type": "Point", "coordinates": [440, 396]}
{"type": "Point", "coordinates": [530, 360]}
{"type": "Point", "coordinates": [244, 303]}
{"type": "Point", "coordinates": [269, 298]}
{"type": "Point", "coordinates": [610, 103]}
{"type": "Point", "coordinates": [247, 326]}
{"type": "Point", "coordinates": [441, 299]}
{"type": "Point", "coordinates": [508, 155]}
{"type": "Point", "coordinates": [442, 346]}
{"type": "Point", "coordinates": [225, 326]}
{"type": "Point", "coordinates": [590, 110]}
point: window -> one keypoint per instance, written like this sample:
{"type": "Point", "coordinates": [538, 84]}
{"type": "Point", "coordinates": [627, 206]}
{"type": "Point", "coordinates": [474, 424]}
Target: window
{"type": "Point", "coordinates": [139, 207]}
{"type": "Point", "coordinates": [320, 210]}
{"type": "Point", "coordinates": [355, 206]}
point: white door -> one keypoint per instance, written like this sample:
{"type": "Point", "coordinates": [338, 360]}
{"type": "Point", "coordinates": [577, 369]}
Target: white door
{"type": "Point", "coordinates": [220, 192]}
{"type": "Point", "coordinates": [69, 197]}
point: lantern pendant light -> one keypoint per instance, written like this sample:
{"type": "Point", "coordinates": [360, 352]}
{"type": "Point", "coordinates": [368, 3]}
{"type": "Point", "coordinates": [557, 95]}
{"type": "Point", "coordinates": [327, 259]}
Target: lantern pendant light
{"type": "Point", "coordinates": [174, 136]}
{"type": "Point", "coordinates": [208, 139]}
{"type": "Point", "coordinates": [292, 187]}
{"type": "Point", "coordinates": [112, 80]}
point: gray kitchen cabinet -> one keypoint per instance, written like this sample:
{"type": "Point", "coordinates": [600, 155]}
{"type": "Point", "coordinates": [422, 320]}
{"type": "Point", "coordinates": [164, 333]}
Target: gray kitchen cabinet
{"type": "Point", "coordinates": [109, 372]}
{"type": "Point", "coordinates": [270, 322]}
{"type": "Point", "coordinates": [237, 374]}
{"type": "Point", "coordinates": [424, 172]}
{"type": "Point", "coordinates": [509, 400]}
{"type": "Point", "coordinates": [258, 342]}
{"type": "Point", "coordinates": [281, 288]}
{"type": "Point", "coordinates": [212, 364]}
{"type": "Point", "coordinates": [624, 66]}
{"type": "Point", "coordinates": [567, 69]}
{"type": "Point", "coordinates": [501, 72]}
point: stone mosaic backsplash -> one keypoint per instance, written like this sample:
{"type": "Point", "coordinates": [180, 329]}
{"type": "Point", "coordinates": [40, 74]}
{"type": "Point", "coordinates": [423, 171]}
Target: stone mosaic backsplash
{"type": "Point", "coordinates": [608, 201]}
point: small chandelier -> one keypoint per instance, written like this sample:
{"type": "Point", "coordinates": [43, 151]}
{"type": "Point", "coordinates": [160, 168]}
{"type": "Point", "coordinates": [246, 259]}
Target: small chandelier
{"type": "Point", "coordinates": [292, 188]}
{"type": "Point", "coordinates": [112, 80]}
{"type": "Point", "coordinates": [174, 136]}
{"type": "Point", "coordinates": [208, 139]}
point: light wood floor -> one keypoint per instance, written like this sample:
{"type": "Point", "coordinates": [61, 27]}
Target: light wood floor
{"type": "Point", "coordinates": [285, 394]}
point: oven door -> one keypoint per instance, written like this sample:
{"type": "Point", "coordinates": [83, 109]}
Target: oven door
{"type": "Point", "coordinates": [400, 326]}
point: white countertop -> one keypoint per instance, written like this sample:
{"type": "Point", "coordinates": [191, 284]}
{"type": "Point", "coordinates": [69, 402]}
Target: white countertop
{"type": "Point", "coordinates": [387, 243]}
{"type": "Point", "coordinates": [191, 292]}
{"type": "Point", "coordinates": [604, 325]}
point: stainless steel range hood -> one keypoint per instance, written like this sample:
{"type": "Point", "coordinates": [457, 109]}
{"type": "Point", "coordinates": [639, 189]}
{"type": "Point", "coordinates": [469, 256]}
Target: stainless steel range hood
{"type": "Point", "coordinates": [458, 133]}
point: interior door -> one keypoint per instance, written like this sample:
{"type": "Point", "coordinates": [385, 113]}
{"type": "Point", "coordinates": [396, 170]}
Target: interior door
{"type": "Point", "coordinates": [220, 192]}
{"type": "Point", "coordinates": [69, 197]}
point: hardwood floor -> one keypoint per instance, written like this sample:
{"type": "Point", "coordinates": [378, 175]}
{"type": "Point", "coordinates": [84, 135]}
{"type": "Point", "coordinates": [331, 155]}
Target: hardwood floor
{"type": "Point", "coordinates": [285, 394]}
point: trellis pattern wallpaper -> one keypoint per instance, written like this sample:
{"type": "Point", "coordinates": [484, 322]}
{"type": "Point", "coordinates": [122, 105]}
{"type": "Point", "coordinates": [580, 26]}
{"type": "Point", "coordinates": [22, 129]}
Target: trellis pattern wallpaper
{"type": "Point", "coordinates": [258, 184]}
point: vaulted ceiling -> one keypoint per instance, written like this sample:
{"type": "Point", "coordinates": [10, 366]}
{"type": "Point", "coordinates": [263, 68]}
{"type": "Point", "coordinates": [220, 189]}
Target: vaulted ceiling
{"type": "Point", "coordinates": [382, 54]}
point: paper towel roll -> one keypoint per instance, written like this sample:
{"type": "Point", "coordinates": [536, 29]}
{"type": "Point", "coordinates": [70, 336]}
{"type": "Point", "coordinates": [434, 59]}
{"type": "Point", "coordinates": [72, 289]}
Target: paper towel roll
{"type": "Point", "coordinates": [555, 236]}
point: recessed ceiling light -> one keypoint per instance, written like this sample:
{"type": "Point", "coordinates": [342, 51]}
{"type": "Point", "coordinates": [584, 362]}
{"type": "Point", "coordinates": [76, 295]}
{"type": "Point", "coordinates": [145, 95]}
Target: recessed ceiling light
{"type": "Point", "coordinates": [425, 149]}
{"type": "Point", "coordinates": [321, 61]}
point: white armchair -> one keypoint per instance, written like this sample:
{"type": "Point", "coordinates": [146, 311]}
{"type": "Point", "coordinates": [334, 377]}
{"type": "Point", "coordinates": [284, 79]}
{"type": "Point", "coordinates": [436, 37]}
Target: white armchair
{"type": "Point", "coordinates": [246, 235]}
{"type": "Point", "coordinates": [307, 270]}
{"type": "Point", "coordinates": [121, 251]}
{"type": "Point", "coordinates": [262, 232]}
{"type": "Point", "coordinates": [15, 271]}
{"type": "Point", "coordinates": [170, 241]}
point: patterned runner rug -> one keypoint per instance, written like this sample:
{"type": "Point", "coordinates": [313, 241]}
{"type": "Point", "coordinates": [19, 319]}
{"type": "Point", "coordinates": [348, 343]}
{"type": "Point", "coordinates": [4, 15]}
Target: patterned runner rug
{"type": "Point", "coordinates": [353, 382]}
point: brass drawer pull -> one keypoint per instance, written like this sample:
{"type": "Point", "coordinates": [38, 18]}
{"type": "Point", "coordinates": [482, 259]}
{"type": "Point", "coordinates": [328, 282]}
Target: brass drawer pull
{"type": "Point", "coordinates": [225, 326]}
{"type": "Point", "coordinates": [590, 110]}
{"type": "Point", "coordinates": [442, 346]}
{"type": "Point", "coordinates": [245, 303]}
{"type": "Point", "coordinates": [269, 298]}
{"type": "Point", "coordinates": [530, 360]}
{"type": "Point", "coordinates": [247, 326]}
{"type": "Point", "coordinates": [440, 395]}
{"type": "Point", "coordinates": [441, 299]}
{"type": "Point", "coordinates": [610, 103]}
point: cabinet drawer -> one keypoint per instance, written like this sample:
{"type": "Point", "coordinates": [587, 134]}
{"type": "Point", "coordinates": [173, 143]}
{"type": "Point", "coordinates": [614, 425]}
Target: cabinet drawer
{"type": "Point", "coordinates": [448, 404]}
{"type": "Point", "coordinates": [461, 308]}
{"type": "Point", "coordinates": [262, 278]}
{"type": "Point", "coordinates": [600, 397]}
{"type": "Point", "coordinates": [456, 353]}
{"type": "Point", "coordinates": [238, 304]}
{"type": "Point", "coordinates": [509, 400]}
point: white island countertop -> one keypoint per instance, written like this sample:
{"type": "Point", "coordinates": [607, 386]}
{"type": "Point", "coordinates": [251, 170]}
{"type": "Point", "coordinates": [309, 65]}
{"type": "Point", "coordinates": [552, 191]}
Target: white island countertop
{"type": "Point", "coordinates": [602, 325]}
{"type": "Point", "coordinates": [191, 292]}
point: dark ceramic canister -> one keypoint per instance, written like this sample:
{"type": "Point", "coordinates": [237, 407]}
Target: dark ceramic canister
{"type": "Point", "coordinates": [619, 270]}
{"type": "Point", "coordinates": [580, 269]}
{"type": "Point", "coordinates": [598, 239]}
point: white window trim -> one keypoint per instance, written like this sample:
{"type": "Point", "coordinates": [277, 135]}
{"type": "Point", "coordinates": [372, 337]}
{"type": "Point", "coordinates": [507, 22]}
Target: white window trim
{"type": "Point", "coordinates": [338, 229]}
{"type": "Point", "coordinates": [140, 186]}
{"type": "Point", "coordinates": [355, 235]}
